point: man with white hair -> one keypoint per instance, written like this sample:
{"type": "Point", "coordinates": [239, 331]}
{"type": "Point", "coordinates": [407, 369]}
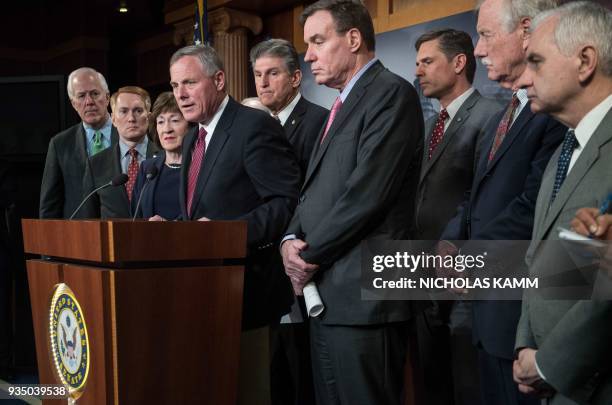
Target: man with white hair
{"type": "Point", "coordinates": [501, 204]}
{"type": "Point", "coordinates": [565, 344]}
{"type": "Point", "coordinates": [63, 184]}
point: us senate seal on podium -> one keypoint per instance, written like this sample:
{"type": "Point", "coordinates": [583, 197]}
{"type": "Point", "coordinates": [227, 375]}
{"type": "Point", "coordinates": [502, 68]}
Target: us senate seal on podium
{"type": "Point", "coordinates": [68, 340]}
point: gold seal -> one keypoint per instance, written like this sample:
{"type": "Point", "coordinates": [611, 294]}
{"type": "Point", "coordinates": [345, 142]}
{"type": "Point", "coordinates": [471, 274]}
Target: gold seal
{"type": "Point", "coordinates": [69, 342]}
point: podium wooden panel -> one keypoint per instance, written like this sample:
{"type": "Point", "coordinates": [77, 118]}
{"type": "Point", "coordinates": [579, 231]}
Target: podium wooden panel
{"type": "Point", "coordinates": [161, 300]}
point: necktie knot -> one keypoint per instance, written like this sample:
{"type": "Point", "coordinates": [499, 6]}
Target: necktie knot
{"type": "Point", "coordinates": [201, 135]}
{"type": "Point", "coordinates": [133, 153]}
{"type": "Point", "coordinates": [97, 145]}
{"type": "Point", "coordinates": [444, 114]}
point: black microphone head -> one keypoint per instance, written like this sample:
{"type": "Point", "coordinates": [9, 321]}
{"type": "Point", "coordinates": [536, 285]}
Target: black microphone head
{"type": "Point", "coordinates": [119, 179]}
{"type": "Point", "coordinates": [152, 172]}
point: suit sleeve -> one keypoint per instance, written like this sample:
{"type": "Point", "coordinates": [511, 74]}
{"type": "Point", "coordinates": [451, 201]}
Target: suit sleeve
{"type": "Point", "coordinates": [455, 229]}
{"type": "Point", "coordinates": [52, 187]}
{"type": "Point", "coordinates": [274, 172]}
{"type": "Point", "coordinates": [389, 150]}
{"type": "Point", "coordinates": [577, 350]}
{"type": "Point", "coordinates": [524, 334]}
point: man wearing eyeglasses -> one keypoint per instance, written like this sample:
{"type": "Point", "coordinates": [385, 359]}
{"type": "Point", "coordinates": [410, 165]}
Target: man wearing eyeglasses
{"type": "Point", "coordinates": [63, 184]}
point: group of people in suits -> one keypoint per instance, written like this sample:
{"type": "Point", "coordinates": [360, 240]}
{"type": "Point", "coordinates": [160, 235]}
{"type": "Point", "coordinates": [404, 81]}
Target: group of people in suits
{"type": "Point", "coordinates": [313, 184]}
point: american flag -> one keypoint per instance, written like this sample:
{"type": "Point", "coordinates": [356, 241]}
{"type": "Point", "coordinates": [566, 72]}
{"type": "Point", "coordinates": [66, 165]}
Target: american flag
{"type": "Point", "coordinates": [200, 25]}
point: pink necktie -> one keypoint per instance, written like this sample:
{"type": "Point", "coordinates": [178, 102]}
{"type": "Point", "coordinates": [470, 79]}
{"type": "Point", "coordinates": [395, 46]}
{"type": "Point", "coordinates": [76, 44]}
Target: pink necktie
{"type": "Point", "coordinates": [197, 154]}
{"type": "Point", "coordinates": [132, 172]}
{"type": "Point", "coordinates": [438, 132]}
{"type": "Point", "coordinates": [332, 115]}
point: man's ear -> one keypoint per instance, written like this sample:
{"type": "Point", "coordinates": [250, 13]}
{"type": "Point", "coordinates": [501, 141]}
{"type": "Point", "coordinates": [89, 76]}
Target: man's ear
{"type": "Point", "coordinates": [354, 39]}
{"type": "Point", "coordinates": [459, 62]}
{"type": "Point", "coordinates": [296, 78]}
{"type": "Point", "coordinates": [525, 27]}
{"type": "Point", "coordinates": [589, 59]}
{"type": "Point", "coordinates": [219, 80]}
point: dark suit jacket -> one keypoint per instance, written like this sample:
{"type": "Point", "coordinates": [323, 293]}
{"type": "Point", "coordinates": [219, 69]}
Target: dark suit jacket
{"type": "Point", "coordinates": [63, 185]}
{"type": "Point", "coordinates": [302, 129]}
{"type": "Point", "coordinates": [501, 206]}
{"type": "Point", "coordinates": [112, 202]}
{"type": "Point", "coordinates": [448, 175]}
{"type": "Point", "coordinates": [249, 173]}
{"type": "Point", "coordinates": [147, 203]}
{"type": "Point", "coordinates": [360, 184]}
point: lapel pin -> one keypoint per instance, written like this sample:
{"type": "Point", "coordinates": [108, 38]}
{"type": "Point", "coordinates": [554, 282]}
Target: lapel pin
{"type": "Point", "coordinates": [293, 122]}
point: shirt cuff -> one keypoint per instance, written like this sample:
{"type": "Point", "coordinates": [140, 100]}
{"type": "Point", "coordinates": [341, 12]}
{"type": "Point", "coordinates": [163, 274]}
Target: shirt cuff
{"type": "Point", "coordinates": [291, 236]}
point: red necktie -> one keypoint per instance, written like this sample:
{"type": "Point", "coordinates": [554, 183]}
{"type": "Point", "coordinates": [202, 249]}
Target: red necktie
{"type": "Point", "coordinates": [332, 115]}
{"type": "Point", "coordinates": [438, 131]}
{"type": "Point", "coordinates": [197, 154]}
{"type": "Point", "coordinates": [504, 126]}
{"type": "Point", "coordinates": [132, 172]}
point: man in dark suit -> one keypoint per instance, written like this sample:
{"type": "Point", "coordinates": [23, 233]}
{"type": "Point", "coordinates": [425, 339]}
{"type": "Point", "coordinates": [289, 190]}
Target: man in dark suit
{"type": "Point", "coordinates": [501, 203]}
{"type": "Point", "coordinates": [564, 343]}
{"type": "Point", "coordinates": [277, 80]}
{"type": "Point", "coordinates": [445, 67]}
{"type": "Point", "coordinates": [63, 184]}
{"type": "Point", "coordinates": [276, 68]}
{"type": "Point", "coordinates": [238, 165]}
{"type": "Point", "coordinates": [130, 106]}
{"type": "Point", "coordinates": [360, 184]}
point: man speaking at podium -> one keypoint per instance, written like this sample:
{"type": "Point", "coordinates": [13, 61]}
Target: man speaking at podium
{"type": "Point", "coordinates": [238, 165]}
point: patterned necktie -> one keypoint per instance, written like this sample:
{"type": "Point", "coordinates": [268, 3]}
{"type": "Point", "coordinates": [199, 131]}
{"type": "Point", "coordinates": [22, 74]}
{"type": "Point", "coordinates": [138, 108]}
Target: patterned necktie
{"type": "Point", "coordinates": [132, 172]}
{"type": "Point", "coordinates": [197, 154]}
{"type": "Point", "coordinates": [332, 115]}
{"type": "Point", "coordinates": [567, 150]}
{"type": "Point", "coordinates": [438, 131]}
{"type": "Point", "coordinates": [97, 145]}
{"type": "Point", "coordinates": [504, 126]}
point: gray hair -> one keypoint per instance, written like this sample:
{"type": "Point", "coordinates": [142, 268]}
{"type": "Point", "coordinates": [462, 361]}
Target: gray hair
{"type": "Point", "coordinates": [83, 70]}
{"type": "Point", "coordinates": [210, 60]}
{"type": "Point", "coordinates": [582, 23]}
{"type": "Point", "coordinates": [277, 48]}
{"type": "Point", "coordinates": [514, 10]}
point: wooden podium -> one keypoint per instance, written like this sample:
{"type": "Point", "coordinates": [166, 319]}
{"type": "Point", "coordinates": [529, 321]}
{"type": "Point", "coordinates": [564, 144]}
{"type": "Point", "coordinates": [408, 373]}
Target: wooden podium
{"type": "Point", "coordinates": [161, 301]}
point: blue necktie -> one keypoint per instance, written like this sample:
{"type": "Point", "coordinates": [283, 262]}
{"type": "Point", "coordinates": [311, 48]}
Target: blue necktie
{"type": "Point", "coordinates": [567, 149]}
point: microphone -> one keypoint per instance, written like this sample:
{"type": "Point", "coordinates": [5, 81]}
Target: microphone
{"type": "Point", "coordinates": [118, 180]}
{"type": "Point", "coordinates": [150, 175]}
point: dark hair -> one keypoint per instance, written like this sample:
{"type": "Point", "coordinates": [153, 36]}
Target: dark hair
{"type": "Point", "coordinates": [278, 48]}
{"type": "Point", "coordinates": [164, 103]}
{"type": "Point", "coordinates": [452, 43]}
{"type": "Point", "coordinates": [347, 14]}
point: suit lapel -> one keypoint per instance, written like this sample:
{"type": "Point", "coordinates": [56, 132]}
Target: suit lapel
{"type": "Point", "coordinates": [217, 142]}
{"type": "Point", "coordinates": [462, 115]}
{"type": "Point", "coordinates": [516, 128]}
{"type": "Point", "coordinates": [587, 158]}
{"type": "Point", "coordinates": [354, 98]}
{"type": "Point", "coordinates": [485, 166]}
{"type": "Point", "coordinates": [147, 198]}
{"type": "Point", "coordinates": [295, 118]}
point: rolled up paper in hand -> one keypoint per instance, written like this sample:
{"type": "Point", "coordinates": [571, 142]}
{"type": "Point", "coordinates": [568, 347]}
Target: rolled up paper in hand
{"type": "Point", "coordinates": [314, 305]}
